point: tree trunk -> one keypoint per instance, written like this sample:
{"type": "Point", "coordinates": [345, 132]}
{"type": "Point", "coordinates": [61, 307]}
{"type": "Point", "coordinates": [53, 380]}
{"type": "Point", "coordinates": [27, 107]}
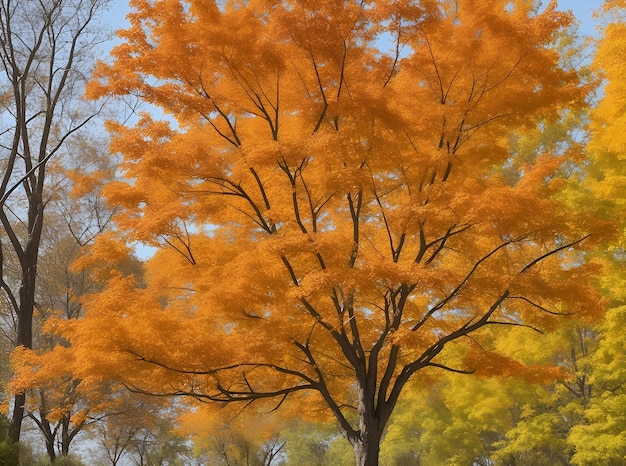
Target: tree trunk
{"type": "Point", "coordinates": [367, 448]}
{"type": "Point", "coordinates": [67, 434]}
{"type": "Point", "coordinates": [15, 427]}
{"type": "Point", "coordinates": [24, 331]}
{"type": "Point", "coordinates": [366, 441]}
{"type": "Point", "coordinates": [52, 454]}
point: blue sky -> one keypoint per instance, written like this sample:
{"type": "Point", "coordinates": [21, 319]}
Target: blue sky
{"type": "Point", "coordinates": [583, 9]}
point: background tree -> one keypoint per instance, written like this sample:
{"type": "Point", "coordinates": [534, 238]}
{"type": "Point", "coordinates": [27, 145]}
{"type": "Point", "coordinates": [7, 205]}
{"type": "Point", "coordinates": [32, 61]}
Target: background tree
{"type": "Point", "coordinates": [332, 220]}
{"type": "Point", "coordinates": [314, 443]}
{"type": "Point", "coordinates": [45, 49]}
{"type": "Point", "coordinates": [60, 406]}
{"type": "Point", "coordinates": [600, 440]}
{"type": "Point", "coordinates": [138, 431]}
{"type": "Point", "coordinates": [231, 437]}
{"type": "Point", "coordinates": [76, 215]}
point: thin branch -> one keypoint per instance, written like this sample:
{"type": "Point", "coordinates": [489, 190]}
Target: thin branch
{"type": "Point", "coordinates": [463, 282]}
{"type": "Point", "coordinates": [538, 306]}
{"type": "Point", "coordinates": [552, 252]}
{"type": "Point", "coordinates": [449, 369]}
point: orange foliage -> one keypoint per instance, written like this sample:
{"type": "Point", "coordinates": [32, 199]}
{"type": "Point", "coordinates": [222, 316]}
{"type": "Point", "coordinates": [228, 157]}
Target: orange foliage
{"type": "Point", "coordinates": [329, 215]}
{"type": "Point", "coordinates": [491, 364]}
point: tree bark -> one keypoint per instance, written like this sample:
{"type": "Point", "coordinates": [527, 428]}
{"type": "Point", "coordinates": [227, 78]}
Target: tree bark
{"type": "Point", "coordinates": [15, 426]}
{"type": "Point", "coordinates": [366, 441]}
{"type": "Point", "coordinates": [25, 324]}
{"type": "Point", "coordinates": [367, 447]}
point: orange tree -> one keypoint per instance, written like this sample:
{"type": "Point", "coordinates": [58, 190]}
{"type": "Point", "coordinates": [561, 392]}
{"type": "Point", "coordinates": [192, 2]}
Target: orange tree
{"type": "Point", "coordinates": [331, 218]}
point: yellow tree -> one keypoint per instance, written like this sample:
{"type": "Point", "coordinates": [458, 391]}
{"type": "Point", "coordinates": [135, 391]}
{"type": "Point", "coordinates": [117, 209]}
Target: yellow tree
{"type": "Point", "coordinates": [601, 439]}
{"type": "Point", "coordinates": [521, 416]}
{"type": "Point", "coordinates": [331, 219]}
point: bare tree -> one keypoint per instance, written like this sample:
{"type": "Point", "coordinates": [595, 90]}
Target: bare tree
{"type": "Point", "coordinates": [46, 49]}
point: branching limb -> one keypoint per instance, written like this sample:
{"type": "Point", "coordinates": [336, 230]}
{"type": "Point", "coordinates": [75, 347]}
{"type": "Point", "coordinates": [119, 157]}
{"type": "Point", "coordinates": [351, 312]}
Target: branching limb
{"type": "Point", "coordinates": [460, 286]}
{"type": "Point", "coordinates": [235, 189]}
{"type": "Point", "coordinates": [322, 387]}
{"type": "Point", "coordinates": [449, 369]}
{"type": "Point", "coordinates": [355, 204]}
{"type": "Point", "coordinates": [552, 252]}
{"type": "Point", "coordinates": [292, 176]}
{"type": "Point", "coordinates": [540, 307]}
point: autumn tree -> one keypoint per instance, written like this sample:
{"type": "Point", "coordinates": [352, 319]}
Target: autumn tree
{"type": "Point", "coordinates": [45, 48]}
{"type": "Point", "coordinates": [331, 218]}
{"type": "Point", "coordinates": [138, 430]}
{"type": "Point", "coordinates": [57, 404]}
{"type": "Point", "coordinates": [231, 437]}
{"type": "Point", "coordinates": [600, 440]}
